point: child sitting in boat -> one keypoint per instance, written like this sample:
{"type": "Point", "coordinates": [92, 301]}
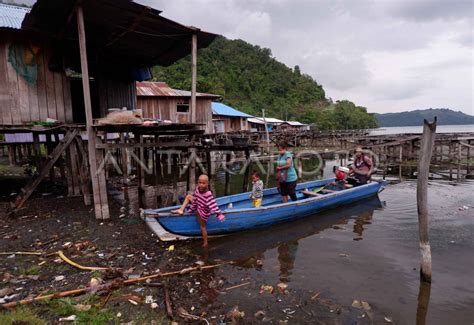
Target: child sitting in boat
{"type": "Point", "coordinates": [341, 179]}
{"type": "Point", "coordinates": [257, 190]}
{"type": "Point", "coordinates": [203, 203]}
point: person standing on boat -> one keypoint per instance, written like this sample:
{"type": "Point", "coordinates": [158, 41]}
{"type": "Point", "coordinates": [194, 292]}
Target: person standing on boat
{"type": "Point", "coordinates": [257, 190]}
{"type": "Point", "coordinates": [286, 173]}
{"type": "Point", "coordinates": [362, 168]}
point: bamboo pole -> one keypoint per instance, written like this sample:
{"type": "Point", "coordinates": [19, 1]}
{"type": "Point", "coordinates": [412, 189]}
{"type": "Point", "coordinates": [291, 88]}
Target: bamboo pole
{"type": "Point", "coordinates": [91, 136]}
{"type": "Point", "coordinates": [426, 150]}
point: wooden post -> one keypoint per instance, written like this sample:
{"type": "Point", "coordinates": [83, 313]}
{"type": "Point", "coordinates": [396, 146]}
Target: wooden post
{"type": "Point", "coordinates": [266, 131]}
{"type": "Point", "coordinates": [83, 168]}
{"type": "Point", "coordinates": [459, 161]}
{"type": "Point", "coordinates": [227, 175]}
{"type": "Point", "coordinates": [426, 150]}
{"type": "Point", "coordinates": [209, 164]}
{"type": "Point", "coordinates": [400, 162]}
{"type": "Point", "coordinates": [193, 77]}
{"type": "Point", "coordinates": [245, 185]}
{"type": "Point", "coordinates": [468, 158]}
{"type": "Point", "coordinates": [50, 146]}
{"type": "Point", "coordinates": [100, 192]}
{"type": "Point", "coordinates": [450, 161]}
{"type": "Point", "coordinates": [192, 151]}
{"type": "Point", "coordinates": [36, 149]}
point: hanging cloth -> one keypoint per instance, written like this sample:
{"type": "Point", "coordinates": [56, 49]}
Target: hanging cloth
{"type": "Point", "coordinates": [23, 60]}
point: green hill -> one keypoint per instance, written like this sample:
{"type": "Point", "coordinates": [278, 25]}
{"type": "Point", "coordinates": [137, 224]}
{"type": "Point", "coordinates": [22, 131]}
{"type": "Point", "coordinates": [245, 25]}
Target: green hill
{"type": "Point", "coordinates": [413, 118]}
{"type": "Point", "coordinates": [250, 79]}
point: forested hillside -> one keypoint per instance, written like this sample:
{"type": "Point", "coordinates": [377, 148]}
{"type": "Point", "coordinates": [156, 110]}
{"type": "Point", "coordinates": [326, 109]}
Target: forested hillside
{"type": "Point", "coordinates": [250, 79]}
{"type": "Point", "coordinates": [412, 118]}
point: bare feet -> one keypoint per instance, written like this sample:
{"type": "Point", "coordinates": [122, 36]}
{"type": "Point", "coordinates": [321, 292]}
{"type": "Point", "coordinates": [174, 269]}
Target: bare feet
{"type": "Point", "coordinates": [205, 245]}
{"type": "Point", "coordinates": [178, 211]}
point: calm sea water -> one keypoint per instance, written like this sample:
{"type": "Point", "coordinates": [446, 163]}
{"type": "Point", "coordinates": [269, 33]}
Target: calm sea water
{"type": "Point", "coordinates": [419, 129]}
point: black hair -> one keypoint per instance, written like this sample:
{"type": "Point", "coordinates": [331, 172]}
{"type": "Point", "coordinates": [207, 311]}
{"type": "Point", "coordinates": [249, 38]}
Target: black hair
{"type": "Point", "coordinates": [282, 145]}
{"type": "Point", "coordinates": [255, 173]}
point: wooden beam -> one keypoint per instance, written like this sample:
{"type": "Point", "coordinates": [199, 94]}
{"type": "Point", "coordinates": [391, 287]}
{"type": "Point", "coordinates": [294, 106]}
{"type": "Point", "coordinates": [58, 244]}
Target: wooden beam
{"type": "Point", "coordinates": [130, 28]}
{"type": "Point", "coordinates": [193, 77]}
{"type": "Point", "coordinates": [99, 196]}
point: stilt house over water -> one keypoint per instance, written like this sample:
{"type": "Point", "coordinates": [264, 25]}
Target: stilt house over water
{"type": "Point", "coordinates": [158, 101]}
{"type": "Point", "coordinates": [74, 60]}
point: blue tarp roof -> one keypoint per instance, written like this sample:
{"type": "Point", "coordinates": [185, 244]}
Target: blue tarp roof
{"type": "Point", "coordinates": [12, 16]}
{"type": "Point", "coordinates": [222, 109]}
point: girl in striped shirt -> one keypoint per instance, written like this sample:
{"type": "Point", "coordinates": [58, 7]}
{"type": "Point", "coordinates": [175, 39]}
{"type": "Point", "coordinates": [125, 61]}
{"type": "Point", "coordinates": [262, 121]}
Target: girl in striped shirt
{"type": "Point", "coordinates": [203, 203]}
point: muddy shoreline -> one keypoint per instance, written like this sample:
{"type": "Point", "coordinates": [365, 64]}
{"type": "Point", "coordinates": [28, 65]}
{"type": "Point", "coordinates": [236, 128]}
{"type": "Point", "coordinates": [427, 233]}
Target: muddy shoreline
{"type": "Point", "coordinates": [51, 222]}
{"type": "Point", "coordinates": [355, 264]}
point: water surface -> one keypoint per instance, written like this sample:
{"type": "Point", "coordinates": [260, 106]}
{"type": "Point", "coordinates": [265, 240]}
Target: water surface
{"type": "Point", "coordinates": [369, 251]}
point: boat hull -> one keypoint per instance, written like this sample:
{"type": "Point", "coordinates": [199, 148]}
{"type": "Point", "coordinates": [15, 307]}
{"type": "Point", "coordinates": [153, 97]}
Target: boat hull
{"type": "Point", "coordinates": [243, 217]}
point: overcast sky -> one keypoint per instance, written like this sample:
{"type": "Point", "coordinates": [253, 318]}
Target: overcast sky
{"type": "Point", "coordinates": [387, 55]}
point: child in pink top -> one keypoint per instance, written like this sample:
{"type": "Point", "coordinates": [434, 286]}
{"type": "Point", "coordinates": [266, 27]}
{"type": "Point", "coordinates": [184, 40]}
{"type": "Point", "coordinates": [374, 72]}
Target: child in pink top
{"type": "Point", "coordinates": [203, 203]}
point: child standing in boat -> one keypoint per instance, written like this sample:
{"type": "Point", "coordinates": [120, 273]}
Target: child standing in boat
{"type": "Point", "coordinates": [203, 203]}
{"type": "Point", "coordinates": [257, 190]}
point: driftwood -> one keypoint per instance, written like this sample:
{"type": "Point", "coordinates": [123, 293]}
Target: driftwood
{"type": "Point", "coordinates": [108, 286]}
{"type": "Point", "coordinates": [21, 253]}
{"type": "Point", "coordinates": [169, 309]}
{"type": "Point", "coordinates": [427, 142]}
{"type": "Point", "coordinates": [237, 286]}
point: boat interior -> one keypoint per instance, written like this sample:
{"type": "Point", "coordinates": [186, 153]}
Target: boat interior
{"type": "Point", "coordinates": [271, 196]}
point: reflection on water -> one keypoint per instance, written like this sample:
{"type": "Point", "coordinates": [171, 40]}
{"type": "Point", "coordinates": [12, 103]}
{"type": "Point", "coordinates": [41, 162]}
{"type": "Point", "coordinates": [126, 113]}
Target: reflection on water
{"type": "Point", "coordinates": [363, 219]}
{"type": "Point", "coordinates": [286, 258]}
{"type": "Point", "coordinates": [248, 248]}
{"type": "Point", "coordinates": [423, 302]}
{"type": "Point", "coordinates": [383, 268]}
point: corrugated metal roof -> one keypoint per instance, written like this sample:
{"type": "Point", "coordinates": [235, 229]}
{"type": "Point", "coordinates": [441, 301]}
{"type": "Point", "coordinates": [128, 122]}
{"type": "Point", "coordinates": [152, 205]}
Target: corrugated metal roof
{"type": "Point", "coordinates": [224, 110]}
{"type": "Point", "coordinates": [269, 120]}
{"type": "Point", "coordinates": [294, 123]}
{"type": "Point", "coordinates": [12, 16]}
{"type": "Point", "coordinates": [161, 89]}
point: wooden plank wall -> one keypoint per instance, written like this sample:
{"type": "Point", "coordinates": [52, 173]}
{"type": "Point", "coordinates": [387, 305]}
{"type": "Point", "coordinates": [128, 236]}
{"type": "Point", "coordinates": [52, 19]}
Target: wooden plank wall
{"type": "Point", "coordinates": [158, 108]}
{"type": "Point", "coordinates": [22, 102]}
{"type": "Point", "coordinates": [233, 123]}
{"type": "Point", "coordinates": [116, 93]}
{"type": "Point", "coordinates": [164, 108]}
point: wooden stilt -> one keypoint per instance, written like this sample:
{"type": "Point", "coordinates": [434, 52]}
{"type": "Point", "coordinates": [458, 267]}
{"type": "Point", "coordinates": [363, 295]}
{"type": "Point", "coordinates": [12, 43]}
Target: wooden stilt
{"type": "Point", "coordinates": [459, 161]}
{"type": "Point", "coordinates": [83, 171]}
{"type": "Point", "coordinates": [50, 148]}
{"type": "Point", "coordinates": [245, 185]}
{"type": "Point", "coordinates": [44, 170]}
{"type": "Point", "coordinates": [36, 148]}
{"type": "Point", "coordinates": [400, 162]}
{"type": "Point", "coordinates": [74, 170]}
{"type": "Point", "coordinates": [227, 174]}
{"type": "Point", "coordinates": [450, 161]}
{"type": "Point", "coordinates": [11, 155]}
{"type": "Point", "coordinates": [98, 187]}
{"type": "Point", "coordinates": [426, 150]}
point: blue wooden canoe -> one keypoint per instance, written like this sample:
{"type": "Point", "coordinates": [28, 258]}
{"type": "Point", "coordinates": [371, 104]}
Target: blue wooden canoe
{"type": "Point", "coordinates": [240, 215]}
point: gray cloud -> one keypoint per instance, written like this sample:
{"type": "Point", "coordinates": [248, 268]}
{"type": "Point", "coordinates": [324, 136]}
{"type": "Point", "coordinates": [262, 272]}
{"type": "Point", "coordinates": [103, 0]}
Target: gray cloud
{"type": "Point", "coordinates": [428, 10]}
{"type": "Point", "coordinates": [336, 41]}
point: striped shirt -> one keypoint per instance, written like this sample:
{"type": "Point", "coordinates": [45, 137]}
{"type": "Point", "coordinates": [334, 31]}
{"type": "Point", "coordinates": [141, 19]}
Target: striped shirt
{"type": "Point", "coordinates": [205, 204]}
{"type": "Point", "coordinates": [257, 189]}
